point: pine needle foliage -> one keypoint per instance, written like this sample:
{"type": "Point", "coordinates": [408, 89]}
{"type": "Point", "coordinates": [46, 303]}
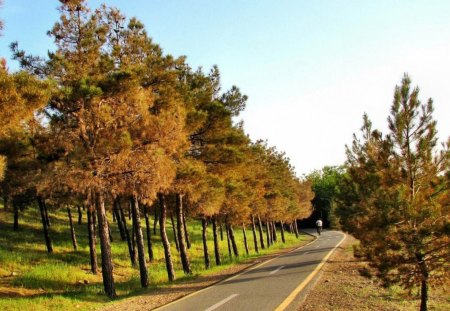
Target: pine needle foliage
{"type": "Point", "coordinates": [395, 196]}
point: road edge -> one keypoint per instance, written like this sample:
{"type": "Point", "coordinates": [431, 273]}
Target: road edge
{"type": "Point", "coordinates": [291, 297]}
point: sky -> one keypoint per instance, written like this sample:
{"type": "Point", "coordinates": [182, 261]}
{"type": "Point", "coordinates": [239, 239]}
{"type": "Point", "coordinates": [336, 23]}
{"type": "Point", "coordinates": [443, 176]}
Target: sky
{"type": "Point", "coordinates": [311, 69]}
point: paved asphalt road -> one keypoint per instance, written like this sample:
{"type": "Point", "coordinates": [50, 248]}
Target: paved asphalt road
{"type": "Point", "coordinates": [272, 285]}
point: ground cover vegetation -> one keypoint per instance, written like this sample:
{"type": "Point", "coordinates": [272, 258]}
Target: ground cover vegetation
{"type": "Point", "coordinates": [108, 130]}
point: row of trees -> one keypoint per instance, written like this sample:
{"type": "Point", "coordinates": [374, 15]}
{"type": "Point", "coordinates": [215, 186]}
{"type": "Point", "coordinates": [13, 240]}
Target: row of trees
{"type": "Point", "coordinates": [107, 119]}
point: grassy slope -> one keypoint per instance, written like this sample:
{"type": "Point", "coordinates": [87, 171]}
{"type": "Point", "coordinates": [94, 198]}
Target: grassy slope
{"type": "Point", "coordinates": [31, 279]}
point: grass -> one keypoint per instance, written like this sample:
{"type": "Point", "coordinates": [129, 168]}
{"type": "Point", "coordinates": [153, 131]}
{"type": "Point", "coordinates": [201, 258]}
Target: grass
{"type": "Point", "coordinates": [30, 278]}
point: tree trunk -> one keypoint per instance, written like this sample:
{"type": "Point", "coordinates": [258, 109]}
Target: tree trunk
{"type": "Point", "coordinates": [133, 242]}
{"type": "Point", "coordinates": [92, 241]}
{"type": "Point", "coordinates": [282, 233]}
{"type": "Point", "coordinates": [80, 215]}
{"type": "Point", "coordinates": [107, 264]}
{"type": "Point", "coordinates": [139, 241]}
{"type": "Point", "coordinates": [47, 219]}
{"type": "Point", "coordinates": [181, 227]}
{"type": "Point", "coordinates": [94, 219]}
{"type": "Point", "coordinates": [296, 229]}
{"type": "Point", "coordinates": [48, 241]}
{"type": "Point", "coordinates": [233, 241]}
{"type": "Point", "coordinates": [221, 231]}
{"type": "Point", "coordinates": [16, 216]}
{"type": "Point", "coordinates": [149, 238]}
{"type": "Point", "coordinates": [186, 232]}
{"type": "Point", "coordinates": [255, 239]}
{"type": "Point", "coordinates": [127, 235]}
{"type": "Point", "coordinates": [268, 234]}
{"type": "Point", "coordinates": [216, 241]}
{"type": "Point", "coordinates": [205, 244]}
{"type": "Point", "coordinates": [424, 296]}
{"type": "Point", "coordinates": [111, 239]}
{"type": "Point", "coordinates": [129, 212]}
{"type": "Point", "coordinates": [424, 283]}
{"type": "Point", "coordinates": [165, 240]}
{"type": "Point", "coordinates": [175, 235]}
{"type": "Point", "coordinates": [261, 235]}
{"type": "Point", "coordinates": [119, 219]}
{"type": "Point", "coordinates": [228, 240]}
{"type": "Point", "coordinates": [72, 230]}
{"type": "Point", "coordinates": [274, 231]}
{"type": "Point", "coordinates": [245, 239]}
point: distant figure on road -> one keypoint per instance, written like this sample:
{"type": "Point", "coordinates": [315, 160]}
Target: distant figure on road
{"type": "Point", "coordinates": [319, 226]}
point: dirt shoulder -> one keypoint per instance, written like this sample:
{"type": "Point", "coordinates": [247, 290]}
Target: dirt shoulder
{"type": "Point", "coordinates": [341, 287]}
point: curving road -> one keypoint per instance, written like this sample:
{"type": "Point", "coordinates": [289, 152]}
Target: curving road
{"type": "Point", "coordinates": [275, 284]}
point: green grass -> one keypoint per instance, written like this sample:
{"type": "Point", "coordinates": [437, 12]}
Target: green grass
{"type": "Point", "coordinates": [32, 279]}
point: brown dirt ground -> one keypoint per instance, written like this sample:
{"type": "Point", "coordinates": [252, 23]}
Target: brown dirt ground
{"type": "Point", "coordinates": [341, 287]}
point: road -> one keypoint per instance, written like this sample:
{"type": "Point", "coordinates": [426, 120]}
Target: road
{"type": "Point", "coordinates": [271, 285]}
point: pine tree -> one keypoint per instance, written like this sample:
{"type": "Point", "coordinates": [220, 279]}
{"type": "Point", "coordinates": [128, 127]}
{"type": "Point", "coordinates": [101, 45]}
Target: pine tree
{"type": "Point", "coordinates": [394, 197]}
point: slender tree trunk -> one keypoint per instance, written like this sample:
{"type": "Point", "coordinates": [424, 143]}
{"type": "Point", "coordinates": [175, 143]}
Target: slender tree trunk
{"type": "Point", "coordinates": [424, 283]}
{"type": "Point", "coordinates": [228, 240]}
{"type": "Point", "coordinates": [72, 230]}
{"type": "Point", "coordinates": [233, 241]}
{"type": "Point", "coordinates": [175, 235]}
{"type": "Point", "coordinates": [119, 219]}
{"type": "Point", "coordinates": [221, 231]}
{"type": "Point", "coordinates": [424, 296]}
{"type": "Point", "coordinates": [296, 229]}
{"type": "Point", "coordinates": [48, 241]}
{"type": "Point", "coordinates": [16, 216]}
{"type": "Point", "coordinates": [111, 239]}
{"type": "Point", "coordinates": [107, 264]}
{"type": "Point", "coordinates": [92, 241]}
{"type": "Point", "coordinates": [127, 235]}
{"type": "Point", "coordinates": [274, 231]}
{"type": "Point", "coordinates": [165, 240]}
{"type": "Point", "coordinates": [94, 219]}
{"type": "Point", "coordinates": [47, 218]}
{"type": "Point", "coordinates": [205, 244]}
{"type": "Point", "coordinates": [186, 232]}
{"type": "Point", "coordinates": [261, 235]}
{"type": "Point", "coordinates": [133, 242]}
{"type": "Point", "coordinates": [282, 233]}
{"type": "Point", "coordinates": [181, 227]}
{"type": "Point", "coordinates": [216, 241]}
{"type": "Point", "coordinates": [114, 215]}
{"type": "Point", "coordinates": [149, 238]}
{"type": "Point", "coordinates": [245, 239]}
{"type": "Point", "coordinates": [80, 215]}
{"type": "Point", "coordinates": [268, 235]}
{"type": "Point", "coordinates": [129, 212]}
{"type": "Point", "coordinates": [139, 241]}
{"type": "Point", "coordinates": [291, 228]}
{"type": "Point", "coordinates": [255, 239]}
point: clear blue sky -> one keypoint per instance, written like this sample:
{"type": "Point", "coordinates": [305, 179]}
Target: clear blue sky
{"type": "Point", "coordinates": [310, 68]}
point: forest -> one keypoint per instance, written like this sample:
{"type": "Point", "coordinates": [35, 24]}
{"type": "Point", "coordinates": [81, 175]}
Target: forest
{"type": "Point", "coordinates": [108, 127]}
